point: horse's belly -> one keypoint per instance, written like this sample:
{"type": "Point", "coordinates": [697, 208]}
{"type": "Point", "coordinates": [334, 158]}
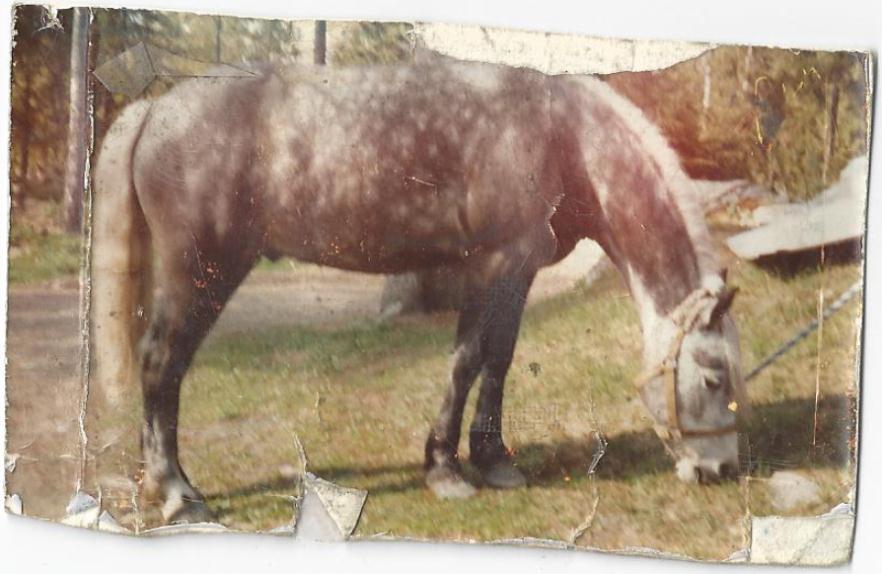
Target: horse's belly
{"type": "Point", "coordinates": [374, 231]}
{"type": "Point", "coordinates": [401, 222]}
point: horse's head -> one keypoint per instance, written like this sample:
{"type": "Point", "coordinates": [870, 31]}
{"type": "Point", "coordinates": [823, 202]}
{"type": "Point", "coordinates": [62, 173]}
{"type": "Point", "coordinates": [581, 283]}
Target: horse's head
{"type": "Point", "coordinates": [697, 389]}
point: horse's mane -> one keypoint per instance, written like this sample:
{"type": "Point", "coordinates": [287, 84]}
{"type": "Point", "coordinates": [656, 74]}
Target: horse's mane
{"type": "Point", "coordinates": [682, 187]}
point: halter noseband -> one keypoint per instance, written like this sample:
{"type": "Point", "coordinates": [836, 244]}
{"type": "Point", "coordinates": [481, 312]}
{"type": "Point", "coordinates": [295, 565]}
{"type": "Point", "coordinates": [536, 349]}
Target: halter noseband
{"type": "Point", "coordinates": [685, 317]}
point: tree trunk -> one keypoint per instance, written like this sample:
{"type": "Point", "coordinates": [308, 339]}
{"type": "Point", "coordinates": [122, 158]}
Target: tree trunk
{"type": "Point", "coordinates": [745, 78]}
{"type": "Point", "coordinates": [74, 180]}
{"type": "Point", "coordinates": [705, 96]}
{"type": "Point", "coordinates": [320, 46]}
{"type": "Point", "coordinates": [218, 30]}
{"type": "Point", "coordinates": [23, 146]}
{"type": "Point", "coordinates": [831, 97]}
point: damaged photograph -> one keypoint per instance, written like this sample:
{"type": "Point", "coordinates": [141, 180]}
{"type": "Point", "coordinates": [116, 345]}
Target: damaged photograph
{"type": "Point", "coordinates": [362, 280]}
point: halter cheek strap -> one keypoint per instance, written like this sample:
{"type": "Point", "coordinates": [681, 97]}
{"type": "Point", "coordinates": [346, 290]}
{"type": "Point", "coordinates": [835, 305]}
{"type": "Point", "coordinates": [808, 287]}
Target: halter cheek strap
{"type": "Point", "coordinates": [685, 317]}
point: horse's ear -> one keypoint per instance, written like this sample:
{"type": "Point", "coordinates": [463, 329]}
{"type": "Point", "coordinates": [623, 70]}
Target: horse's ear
{"type": "Point", "coordinates": [724, 301]}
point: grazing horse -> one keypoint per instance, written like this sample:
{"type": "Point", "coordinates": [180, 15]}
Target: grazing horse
{"type": "Point", "coordinates": [386, 169]}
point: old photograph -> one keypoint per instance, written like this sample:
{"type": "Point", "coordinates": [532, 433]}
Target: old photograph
{"type": "Point", "coordinates": [399, 280]}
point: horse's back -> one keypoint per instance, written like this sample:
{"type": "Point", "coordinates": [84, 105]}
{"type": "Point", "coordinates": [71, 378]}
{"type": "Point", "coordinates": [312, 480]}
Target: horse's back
{"type": "Point", "coordinates": [375, 168]}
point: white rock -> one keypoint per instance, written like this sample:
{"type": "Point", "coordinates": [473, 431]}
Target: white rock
{"type": "Point", "coordinates": [790, 490]}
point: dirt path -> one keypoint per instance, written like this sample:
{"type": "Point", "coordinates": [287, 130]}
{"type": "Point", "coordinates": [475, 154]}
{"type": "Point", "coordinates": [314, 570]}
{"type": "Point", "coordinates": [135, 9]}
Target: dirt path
{"type": "Point", "coordinates": [42, 394]}
{"type": "Point", "coordinates": [43, 389]}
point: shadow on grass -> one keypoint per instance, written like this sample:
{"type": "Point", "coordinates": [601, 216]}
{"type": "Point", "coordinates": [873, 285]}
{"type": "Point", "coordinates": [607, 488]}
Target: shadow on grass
{"type": "Point", "coordinates": [788, 265]}
{"type": "Point", "coordinates": [389, 479]}
{"type": "Point", "coordinates": [778, 437]}
{"type": "Point", "coordinates": [627, 455]}
{"type": "Point", "coordinates": [782, 436]}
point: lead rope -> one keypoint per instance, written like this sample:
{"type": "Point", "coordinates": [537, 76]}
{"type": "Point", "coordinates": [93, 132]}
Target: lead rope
{"type": "Point", "coordinates": [835, 306]}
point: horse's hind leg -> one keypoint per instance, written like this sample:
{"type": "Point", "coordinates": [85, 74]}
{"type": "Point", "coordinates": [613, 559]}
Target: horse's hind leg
{"type": "Point", "coordinates": [193, 296]}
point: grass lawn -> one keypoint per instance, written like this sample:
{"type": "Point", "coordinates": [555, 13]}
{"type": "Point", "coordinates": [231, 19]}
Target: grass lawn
{"type": "Point", "coordinates": [37, 257]}
{"type": "Point", "coordinates": [360, 400]}
{"type": "Point", "coordinates": [42, 256]}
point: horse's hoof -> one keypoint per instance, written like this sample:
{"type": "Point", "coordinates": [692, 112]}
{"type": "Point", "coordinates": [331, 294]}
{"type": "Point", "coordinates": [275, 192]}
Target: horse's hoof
{"type": "Point", "coordinates": [503, 474]}
{"type": "Point", "coordinates": [446, 483]}
{"type": "Point", "coordinates": [189, 512]}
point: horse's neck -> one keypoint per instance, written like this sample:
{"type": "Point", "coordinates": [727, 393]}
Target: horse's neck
{"type": "Point", "coordinates": [658, 330]}
{"type": "Point", "coordinates": [658, 327]}
{"type": "Point", "coordinates": [662, 268]}
{"type": "Point", "coordinates": [650, 226]}
{"type": "Point", "coordinates": [661, 246]}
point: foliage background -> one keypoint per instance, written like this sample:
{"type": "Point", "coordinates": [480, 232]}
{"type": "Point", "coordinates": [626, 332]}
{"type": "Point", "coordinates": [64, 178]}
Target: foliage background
{"type": "Point", "coordinates": [786, 119]}
{"type": "Point", "coordinates": [789, 120]}
{"type": "Point", "coordinates": [754, 113]}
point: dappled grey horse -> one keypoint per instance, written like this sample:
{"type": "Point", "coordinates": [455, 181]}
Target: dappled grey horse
{"type": "Point", "coordinates": [386, 169]}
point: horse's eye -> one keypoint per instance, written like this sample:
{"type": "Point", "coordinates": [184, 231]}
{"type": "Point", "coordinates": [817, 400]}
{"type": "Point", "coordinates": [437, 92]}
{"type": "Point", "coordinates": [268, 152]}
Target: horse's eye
{"type": "Point", "coordinates": [712, 381]}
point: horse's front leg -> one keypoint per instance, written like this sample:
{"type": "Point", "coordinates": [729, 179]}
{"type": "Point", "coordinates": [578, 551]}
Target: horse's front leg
{"type": "Point", "coordinates": [495, 295]}
{"type": "Point", "coordinates": [486, 335]}
{"type": "Point", "coordinates": [487, 449]}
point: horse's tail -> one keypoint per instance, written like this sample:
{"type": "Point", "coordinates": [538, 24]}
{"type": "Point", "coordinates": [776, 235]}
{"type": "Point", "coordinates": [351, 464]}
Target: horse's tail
{"type": "Point", "coordinates": [121, 273]}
